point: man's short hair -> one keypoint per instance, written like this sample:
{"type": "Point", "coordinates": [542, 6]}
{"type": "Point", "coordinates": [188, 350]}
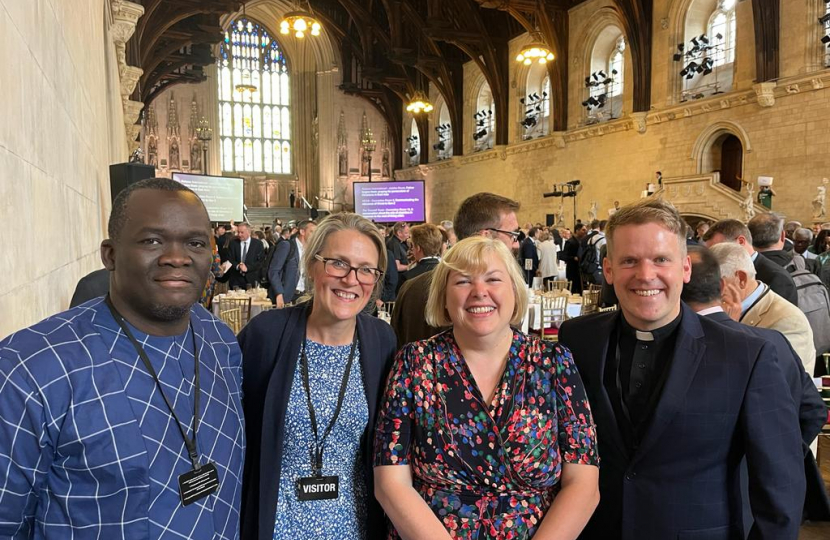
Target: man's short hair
{"type": "Point", "coordinates": [766, 230]}
{"type": "Point", "coordinates": [447, 224]}
{"type": "Point", "coordinates": [303, 225]}
{"type": "Point", "coordinates": [243, 224]}
{"type": "Point", "coordinates": [398, 227]}
{"type": "Point", "coordinates": [594, 224]}
{"type": "Point", "coordinates": [118, 215]}
{"type": "Point", "coordinates": [704, 285]}
{"type": "Point", "coordinates": [791, 227]}
{"type": "Point", "coordinates": [603, 224]}
{"type": "Point", "coordinates": [651, 210]}
{"type": "Point", "coordinates": [733, 258]}
{"type": "Point", "coordinates": [533, 232]}
{"type": "Point", "coordinates": [481, 211]}
{"type": "Point", "coordinates": [801, 232]}
{"type": "Point", "coordinates": [730, 229]}
{"type": "Point", "coordinates": [428, 237]}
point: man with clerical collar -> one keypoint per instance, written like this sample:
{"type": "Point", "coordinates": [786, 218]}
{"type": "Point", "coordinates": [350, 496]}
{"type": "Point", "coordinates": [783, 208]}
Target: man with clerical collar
{"type": "Point", "coordinates": [679, 400]}
{"type": "Point", "coordinates": [121, 418]}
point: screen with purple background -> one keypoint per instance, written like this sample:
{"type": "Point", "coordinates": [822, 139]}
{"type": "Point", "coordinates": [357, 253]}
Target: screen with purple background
{"type": "Point", "coordinates": [388, 202]}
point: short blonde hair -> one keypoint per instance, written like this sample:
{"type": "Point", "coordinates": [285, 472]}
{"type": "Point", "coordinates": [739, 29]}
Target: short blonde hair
{"type": "Point", "coordinates": [468, 256]}
{"type": "Point", "coordinates": [343, 221]}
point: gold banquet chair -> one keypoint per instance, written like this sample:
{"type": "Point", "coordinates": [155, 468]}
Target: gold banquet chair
{"type": "Point", "coordinates": [233, 318]}
{"type": "Point", "coordinates": [554, 312]}
{"type": "Point", "coordinates": [590, 302]}
{"type": "Point", "coordinates": [243, 304]}
{"type": "Point", "coordinates": [559, 285]}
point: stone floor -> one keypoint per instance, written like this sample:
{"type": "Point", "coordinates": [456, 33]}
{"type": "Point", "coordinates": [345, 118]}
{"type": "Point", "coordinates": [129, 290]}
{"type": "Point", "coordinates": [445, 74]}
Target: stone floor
{"type": "Point", "coordinates": [820, 531]}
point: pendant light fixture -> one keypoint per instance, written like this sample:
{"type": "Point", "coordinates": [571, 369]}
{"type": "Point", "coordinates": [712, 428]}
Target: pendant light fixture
{"type": "Point", "coordinates": [245, 83]}
{"type": "Point", "coordinates": [300, 22]}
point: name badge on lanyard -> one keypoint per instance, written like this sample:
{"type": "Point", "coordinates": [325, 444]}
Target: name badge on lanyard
{"type": "Point", "coordinates": [319, 487]}
{"type": "Point", "coordinates": [202, 480]}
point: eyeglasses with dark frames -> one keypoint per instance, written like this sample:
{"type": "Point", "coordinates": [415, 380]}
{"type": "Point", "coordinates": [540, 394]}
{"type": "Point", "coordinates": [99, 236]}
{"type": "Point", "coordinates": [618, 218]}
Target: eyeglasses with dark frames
{"type": "Point", "coordinates": [340, 269]}
{"type": "Point", "coordinates": [512, 234]}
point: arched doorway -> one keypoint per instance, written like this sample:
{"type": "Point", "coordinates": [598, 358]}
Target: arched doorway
{"type": "Point", "coordinates": [731, 161]}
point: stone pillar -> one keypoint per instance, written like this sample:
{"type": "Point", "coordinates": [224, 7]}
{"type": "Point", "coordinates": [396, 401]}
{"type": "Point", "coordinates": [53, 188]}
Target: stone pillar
{"type": "Point", "coordinates": [125, 15]}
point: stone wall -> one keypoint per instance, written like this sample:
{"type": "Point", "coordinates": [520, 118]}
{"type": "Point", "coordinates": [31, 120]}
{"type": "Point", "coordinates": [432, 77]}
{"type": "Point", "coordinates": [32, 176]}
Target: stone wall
{"type": "Point", "coordinates": [61, 125]}
{"type": "Point", "coordinates": [782, 126]}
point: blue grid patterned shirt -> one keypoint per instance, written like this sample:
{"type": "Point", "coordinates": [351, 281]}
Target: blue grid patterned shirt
{"type": "Point", "coordinates": [88, 448]}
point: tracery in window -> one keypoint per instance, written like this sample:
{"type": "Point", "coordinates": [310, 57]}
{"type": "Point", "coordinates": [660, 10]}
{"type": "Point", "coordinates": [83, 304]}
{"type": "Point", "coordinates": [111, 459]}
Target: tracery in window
{"type": "Point", "coordinates": [254, 126]}
{"type": "Point", "coordinates": [484, 120]}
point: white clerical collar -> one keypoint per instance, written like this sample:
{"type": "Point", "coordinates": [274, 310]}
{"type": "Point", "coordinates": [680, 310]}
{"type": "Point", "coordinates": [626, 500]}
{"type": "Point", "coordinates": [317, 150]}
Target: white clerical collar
{"type": "Point", "coordinates": [643, 336]}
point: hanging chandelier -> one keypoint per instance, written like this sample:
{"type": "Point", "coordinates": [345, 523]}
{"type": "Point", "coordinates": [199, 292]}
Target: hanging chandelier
{"type": "Point", "coordinates": [419, 103]}
{"type": "Point", "coordinates": [245, 83]}
{"type": "Point", "coordinates": [535, 51]}
{"type": "Point", "coordinates": [300, 22]}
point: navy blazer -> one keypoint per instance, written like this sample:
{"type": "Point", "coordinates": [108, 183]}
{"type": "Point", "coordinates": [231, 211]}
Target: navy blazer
{"type": "Point", "coordinates": [284, 270]}
{"type": "Point", "coordinates": [812, 413]}
{"type": "Point", "coordinates": [717, 406]}
{"type": "Point", "coordinates": [270, 351]}
{"type": "Point", "coordinates": [253, 260]}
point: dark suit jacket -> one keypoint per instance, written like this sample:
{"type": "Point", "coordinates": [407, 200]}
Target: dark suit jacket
{"type": "Point", "coordinates": [390, 279]}
{"type": "Point", "coordinates": [784, 258]}
{"type": "Point", "coordinates": [716, 407]}
{"type": "Point", "coordinates": [253, 260]}
{"type": "Point", "coordinates": [778, 279]}
{"type": "Point", "coordinates": [284, 270]}
{"type": "Point", "coordinates": [812, 413]}
{"type": "Point", "coordinates": [270, 350]}
{"type": "Point", "coordinates": [529, 251]}
{"type": "Point", "coordinates": [408, 317]}
{"type": "Point", "coordinates": [572, 250]}
{"type": "Point", "coordinates": [91, 286]}
{"type": "Point", "coordinates": [423, 266]}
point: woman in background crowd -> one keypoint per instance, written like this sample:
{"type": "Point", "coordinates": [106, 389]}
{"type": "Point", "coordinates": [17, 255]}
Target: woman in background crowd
{"type": "Point", "coordinates": [313, 375]}
{"type": "Point", "coordinates": [484, 432]}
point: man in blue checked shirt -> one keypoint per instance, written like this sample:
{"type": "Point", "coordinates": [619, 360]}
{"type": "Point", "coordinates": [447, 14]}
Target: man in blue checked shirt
{"type": "Point", "coordinates": [121, 418]}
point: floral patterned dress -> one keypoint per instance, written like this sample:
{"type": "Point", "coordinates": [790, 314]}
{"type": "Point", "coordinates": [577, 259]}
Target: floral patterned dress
{"type": "Point", "coordinates": [488, 471]}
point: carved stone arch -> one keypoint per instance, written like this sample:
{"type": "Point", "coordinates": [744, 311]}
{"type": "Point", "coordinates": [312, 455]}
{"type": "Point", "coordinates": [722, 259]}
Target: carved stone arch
{"type": "Point", "coordinates": [470, 104]}
{"type": "Point", "coordinates": [268, 13]}
{"type": "Point", "coordinates": [529, 79]}
{"type": "Point", "coordinates": [713, 135]}
{"type": "Point", "coordinates": [605, 17]}
{"type": "Point", "coordinates": [677, 34]}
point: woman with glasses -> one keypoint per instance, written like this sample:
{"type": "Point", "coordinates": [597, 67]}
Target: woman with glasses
{"type": "Point", "coordinates": [312, 376]}
{"type": "Point", "coordinates": [484, 432]}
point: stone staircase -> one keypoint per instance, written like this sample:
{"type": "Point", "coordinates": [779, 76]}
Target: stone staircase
{"type": "Point", "coordinates": [264, 217]}
{"type": "Point", "coordinates": [705, 197]}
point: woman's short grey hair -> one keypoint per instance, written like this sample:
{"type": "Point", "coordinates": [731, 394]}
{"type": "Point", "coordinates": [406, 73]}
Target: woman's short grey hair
{"type": "Point", "coordinates": [733, 258]}
{"type": "Point", "coordinates": [344, 221]}
{"type": "Point", "coordinates": [469, 256]}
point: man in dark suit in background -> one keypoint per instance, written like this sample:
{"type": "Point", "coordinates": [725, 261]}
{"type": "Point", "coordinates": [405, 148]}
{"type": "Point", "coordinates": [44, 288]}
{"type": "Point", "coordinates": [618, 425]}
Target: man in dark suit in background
{"type": "Point", "coordinates": [679, 400]}
{"type": "Point", "coordinates": [529, 256]}
{"type": "Point", "coordinates": [703, 294]}
{"type": "Point", "coordinates": [285, 273]}
{"type": "Point", "coordinates": [570, 254]}
{"type": "Point", "coordinates": [246, 256]}
{"type": "Point", "coordinates": [427, 241]}
{"type": "Point", "coordinates": [778, 279]}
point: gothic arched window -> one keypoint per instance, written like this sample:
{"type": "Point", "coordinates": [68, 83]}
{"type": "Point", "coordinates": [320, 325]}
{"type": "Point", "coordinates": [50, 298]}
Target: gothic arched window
{"type": "Point", "coordinates": [484, 119]}
{"type": "Point", "coordinates": [255, 120]}
{"type": "Point", "coordinates": [723, 23]}
{"type": "Point", "coordinates": [616, 67]}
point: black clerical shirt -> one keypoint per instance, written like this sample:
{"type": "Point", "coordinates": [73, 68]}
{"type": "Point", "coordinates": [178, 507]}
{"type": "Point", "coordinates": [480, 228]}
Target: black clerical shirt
{"type": "Point", "coordinates": [638, 369]}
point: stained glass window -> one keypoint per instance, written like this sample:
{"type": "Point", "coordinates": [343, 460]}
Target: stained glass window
{"type": "Point", "coordinates": [255, 125]}
{"type": "Point", "coordinates": [617, 64]}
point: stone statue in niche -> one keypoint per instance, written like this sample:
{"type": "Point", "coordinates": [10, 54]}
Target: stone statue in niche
{"type": "Point", "coordinates": [343, 163]}
{"type": "Point", "coordinates": [560, 214]}
{"type": "Point", "coordinates": [152, 152]}
{"type": "Point", "coordinates": [592, 212]}
{"type": "Point", "coordinates": [315, 132]}
{"type": "Point", "coordinates": [195, 156]}
{"type": "Point", "coordinates": [364, 163]}
{"type": "Point", "coordinates": [174, 155]}
{"type": "Point", "coordinates": [385, 170]}
{"type": "Point", "coordinates": [748, 205]}
{"type": "Point", "coordinates": [819, 203]}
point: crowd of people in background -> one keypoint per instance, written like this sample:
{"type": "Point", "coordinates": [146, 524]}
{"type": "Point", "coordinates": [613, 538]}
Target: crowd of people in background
{"type": "Point", "coordinates": [687, 410]}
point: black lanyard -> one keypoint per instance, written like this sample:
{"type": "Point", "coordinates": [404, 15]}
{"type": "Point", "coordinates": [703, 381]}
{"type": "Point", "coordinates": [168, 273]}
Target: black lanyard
{"type": "Point", "coordinates": [319, 444]}
{"type": "Point", "coordinates": [188, 442]}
